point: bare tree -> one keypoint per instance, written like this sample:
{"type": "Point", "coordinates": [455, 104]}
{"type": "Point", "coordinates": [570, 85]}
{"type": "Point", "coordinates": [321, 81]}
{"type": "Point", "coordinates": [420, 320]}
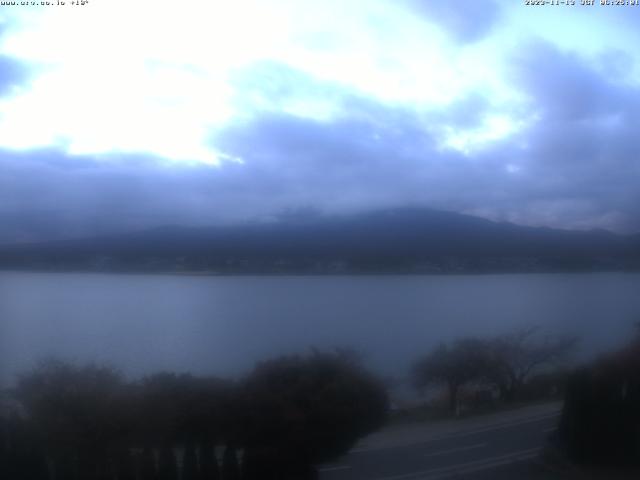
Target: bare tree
{"type": "Point", "coordinates": [514, 357]}
{"type": "Point", "coordinates": [453, 366]}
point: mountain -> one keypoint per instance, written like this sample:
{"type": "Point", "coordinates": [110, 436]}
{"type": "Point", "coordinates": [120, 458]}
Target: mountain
{"type": "Point", "coordinates": [406, 240]}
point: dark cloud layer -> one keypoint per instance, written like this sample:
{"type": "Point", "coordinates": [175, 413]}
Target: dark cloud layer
{"type": "Point", "coordinates": [575, 165]}
{"type": "Point", "coordinates": [584, 149]}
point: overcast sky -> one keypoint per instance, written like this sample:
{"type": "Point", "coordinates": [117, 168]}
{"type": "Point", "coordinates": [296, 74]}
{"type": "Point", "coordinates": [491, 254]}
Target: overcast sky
{"type": "Point", "coordinates": [126, 114]}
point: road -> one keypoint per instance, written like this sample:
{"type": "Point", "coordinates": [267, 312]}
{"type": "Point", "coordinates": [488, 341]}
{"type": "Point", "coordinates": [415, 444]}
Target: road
{"type": "Point", "coordinates": [494, 447]}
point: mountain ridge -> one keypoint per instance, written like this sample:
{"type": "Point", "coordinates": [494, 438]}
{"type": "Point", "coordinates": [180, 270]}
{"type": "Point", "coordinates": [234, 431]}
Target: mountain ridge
{"type": "Point", "coordinates": [401, 240]}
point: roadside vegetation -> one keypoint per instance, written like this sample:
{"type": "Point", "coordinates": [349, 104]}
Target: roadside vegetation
{"type": "Point", "coordinates": [471, 374]}
{"type": "Point", "coordinates": [600, 423]}
{"type": "Point", "coordinates": [73, 422]}
{"type": "Point", "coordinates": [86, 422]}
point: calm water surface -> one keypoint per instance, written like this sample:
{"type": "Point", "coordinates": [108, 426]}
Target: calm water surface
{"type": "Point", "coordinates": [222, 325]}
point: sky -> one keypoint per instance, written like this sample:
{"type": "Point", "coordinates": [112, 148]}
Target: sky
{"type": "Point", "coordinates": [120, 115]}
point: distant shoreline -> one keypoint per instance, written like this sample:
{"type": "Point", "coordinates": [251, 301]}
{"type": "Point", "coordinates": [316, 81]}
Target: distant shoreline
{"type": "Point", "coordinates": [318, 274]}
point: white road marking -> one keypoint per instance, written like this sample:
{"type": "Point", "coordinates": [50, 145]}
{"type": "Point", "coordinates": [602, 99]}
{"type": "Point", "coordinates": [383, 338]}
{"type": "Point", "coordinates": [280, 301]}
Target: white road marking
{"type": "Point", "coordinates": [489, 428]}
{"type": "Point", "coordinates": [454, 450]}
{"type": "Point", "coordinates": [483, 466]}
{"type": "Point", "coordinates": [468, 467]}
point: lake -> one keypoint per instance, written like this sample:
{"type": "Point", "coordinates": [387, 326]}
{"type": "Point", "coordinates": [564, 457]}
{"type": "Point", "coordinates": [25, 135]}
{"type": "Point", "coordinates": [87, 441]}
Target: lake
{"type": "Point", "coordinates": [223, 325]}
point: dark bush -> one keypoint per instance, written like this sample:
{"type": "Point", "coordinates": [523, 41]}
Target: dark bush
{"type": "Point", "coordinates": [300, 411]}
{"type": "Point", "coordinates": [77, 411]}
{"type": "Point", "coordinates": [148, 466]}
{"type": "Point", "coordinates": [600, 422]}
{"type": "Point", "coordinates": [209, 469]}
{"type": "Point", "coordinates": [21, 452]}
{"type": "Point", "coordinates": [230, 467]}
{"type": "Point", "coordinates": [167, 465]}
{"type": "Point", "coordinates": [190, 463]}
{"type": "Point", "coordinates": [290, 414]}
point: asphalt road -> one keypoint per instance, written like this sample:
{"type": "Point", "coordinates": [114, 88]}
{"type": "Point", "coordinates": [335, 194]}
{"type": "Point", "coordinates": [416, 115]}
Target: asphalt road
{"type": "Point", "coordinates": [497, 448]}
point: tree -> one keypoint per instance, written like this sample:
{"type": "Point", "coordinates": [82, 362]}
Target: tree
{"type": "Point", "coordinates": [167, 464]}
{"type": "Point", "coordinates": [452, 366]}
{"type": "Point", "coordinates": [600, 421]}
{"type": "Point", "coordinates": [21, 453]}
{"type": "Point", "coordinates": [300, 411]}
{"type": "Point", "coordinates": [161, 406]}
{"type": "Point", "coordinates": [77, 411]}
{"type": "Point", "coordinates": [181, 409]}
{"type": "Point", "coordinates": [124, 464]}
{"type": "Point", "coordinates": [190, 462]}
{"type": "Point", "coordinates": [209, 469]}
{"type": "Point", "coordinates": [148, 468]}
{"type": "Point", "coordinates": [513, 358]}
{"type": "Point", "coordinates": [230, 467]}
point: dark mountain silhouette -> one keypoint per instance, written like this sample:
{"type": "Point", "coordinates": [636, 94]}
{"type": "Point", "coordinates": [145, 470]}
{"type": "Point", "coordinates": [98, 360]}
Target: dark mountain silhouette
{"type": "Point", "coordinates": [406, 240]}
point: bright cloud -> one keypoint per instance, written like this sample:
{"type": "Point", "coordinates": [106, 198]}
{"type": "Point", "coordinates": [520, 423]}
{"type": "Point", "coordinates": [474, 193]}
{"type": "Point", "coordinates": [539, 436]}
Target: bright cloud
{"type": "Point", "coordinates": [483, 106]}
{"type": "Point", "coordinates": [156, 77]}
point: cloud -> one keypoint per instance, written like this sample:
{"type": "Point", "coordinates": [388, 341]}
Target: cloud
{"type": "Point", "coordinates": [560, 150]}
{"type": "Point", "coordinates": [373, 158]}
{"type": "Point", "coordinates": [566, 87]}
{"type": "Point", "coordinates": [579, 157]}
{"type": "Point", "coordinates": [12, 74]}
{"type": "Point", "coordinates": [572, 165]}
{"type": "Point", "coordinates": [466, 21]}
{"type": "Point", "coordinates": [176, 87]}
